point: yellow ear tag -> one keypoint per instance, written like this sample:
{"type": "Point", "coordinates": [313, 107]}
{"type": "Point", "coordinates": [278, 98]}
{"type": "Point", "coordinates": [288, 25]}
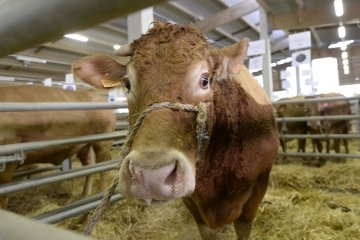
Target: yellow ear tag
{"type": "Point", "coordinates": [108, 83]}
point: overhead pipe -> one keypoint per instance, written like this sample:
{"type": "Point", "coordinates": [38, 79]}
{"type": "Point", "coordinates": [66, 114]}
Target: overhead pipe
{"type": "Point", "coordinates": [28, 23]}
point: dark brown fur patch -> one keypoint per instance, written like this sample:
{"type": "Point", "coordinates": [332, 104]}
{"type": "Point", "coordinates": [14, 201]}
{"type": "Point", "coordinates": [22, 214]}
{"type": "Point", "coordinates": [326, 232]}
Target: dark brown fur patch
{"type": "Point", "coordinates": [235, 156]}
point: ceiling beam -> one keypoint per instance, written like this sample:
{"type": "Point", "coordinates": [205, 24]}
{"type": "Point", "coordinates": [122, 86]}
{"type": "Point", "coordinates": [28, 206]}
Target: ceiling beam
{"type": "Point", "coordinates": [194, 16]}
{"type": "Point", "coordinates": [264, 5]}
{"type": "Point", "coordinates": [319, 17]}
{"type": "Point", "coordinates": [316, 36]}
{"type": "Point", "coordinates": [225, 16]}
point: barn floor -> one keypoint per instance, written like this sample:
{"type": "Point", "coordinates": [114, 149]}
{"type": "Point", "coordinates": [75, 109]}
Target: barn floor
{"type": "Point", "coordinates": [302, 202]}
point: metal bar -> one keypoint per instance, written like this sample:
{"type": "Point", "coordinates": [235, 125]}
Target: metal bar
{"type": "Point", "coordinates": [314, 118]}
{"type": "Point", "coordinates": [35, 171]}
{"type": "Point", "coordinates": [320, 136]}
{"type": "Point", "coordinates": [266, 66]}
{"type": "Point", "coordinates": [15, 158]}
{"type": "Point", "coordinates": [311, 100]}
{"type": "Point", "coordinates": [59, 177]}
{"type": "Point", "coordinates": [52, 106]}
{"type": "Point", "coordinates": [74, 209]}
{"type": "Point", "coordinates": [329, 155]}
{"type": "Point", "coordinates": [122, 125]}
{"type": "Point", "coordinates": [15, 227]}
{"type": "Point", "coordinates": [29, 146]}
{"type": "Point", "coordinates": [54, 18]}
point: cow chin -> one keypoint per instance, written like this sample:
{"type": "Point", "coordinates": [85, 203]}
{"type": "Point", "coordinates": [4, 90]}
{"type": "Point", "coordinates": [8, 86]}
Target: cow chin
{"type": "Point", "coordinates": [157, 176]}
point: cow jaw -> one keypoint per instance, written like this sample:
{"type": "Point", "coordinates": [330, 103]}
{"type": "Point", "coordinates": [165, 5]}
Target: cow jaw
{"type": "Point", "coordinates": [155, 175]}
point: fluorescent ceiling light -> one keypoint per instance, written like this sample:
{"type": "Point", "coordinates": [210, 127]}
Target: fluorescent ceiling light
{"type": "Point", "coordinates": [346, 68]}
{"type": "Point", "coordinates": [77, 37]}
{"type": "Point", "coordinates": [341, 44]}
{"type": "Point", "coordinates": [339, 8]}
{"type": "Point", "coordinates": [341, 32]}
{"type": "Point", "coordinates": [30, 59]}
{"type": "Point", "coordinates": [345, 62]}
{"type": "Point", "coordinates": [346, 72]}
{"type": "Point", "coordinates": [344, 55]}
{"type": "Point", "coordinates": [116, 46]}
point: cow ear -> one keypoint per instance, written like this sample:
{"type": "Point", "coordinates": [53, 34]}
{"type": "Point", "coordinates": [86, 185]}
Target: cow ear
{"type": "Point", "coordinates": [236, 55]}
{"type": "Point", "coordinates": [100, 71]}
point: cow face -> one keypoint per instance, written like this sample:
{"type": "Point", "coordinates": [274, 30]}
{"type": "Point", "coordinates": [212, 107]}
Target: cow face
{"type": "Point", "coordinates": [170, 63]}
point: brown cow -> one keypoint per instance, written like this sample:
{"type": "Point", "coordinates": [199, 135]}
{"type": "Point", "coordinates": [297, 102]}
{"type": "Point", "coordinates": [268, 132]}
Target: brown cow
{"type": "Point", "coordinates": [19, 127]}
{"type": "Point", "coordinates": [174, 63]}
{"type": "Point", "coordinates": [338, 107]}
{"type": "Point", "coordinates": [292, 110]}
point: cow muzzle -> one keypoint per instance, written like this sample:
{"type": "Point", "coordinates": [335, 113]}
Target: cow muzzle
{"type": "Point", "coordinates": [157, 176]}
{"type": "Point", "coordinates": [160, 175]}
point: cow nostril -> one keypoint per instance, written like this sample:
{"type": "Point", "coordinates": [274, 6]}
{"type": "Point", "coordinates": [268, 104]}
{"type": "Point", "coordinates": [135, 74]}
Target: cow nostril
{"type": "Point", "coordinates": [171, 178]}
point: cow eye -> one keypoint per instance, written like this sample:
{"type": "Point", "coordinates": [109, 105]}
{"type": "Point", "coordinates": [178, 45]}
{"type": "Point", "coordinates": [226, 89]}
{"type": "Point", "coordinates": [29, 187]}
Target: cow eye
{"type": "Point", "coordinates": [204, 82]}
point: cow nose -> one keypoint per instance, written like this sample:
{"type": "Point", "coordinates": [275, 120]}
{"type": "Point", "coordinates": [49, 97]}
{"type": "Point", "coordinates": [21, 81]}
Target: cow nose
{"type": "Point", "coordinates": [160, 180]}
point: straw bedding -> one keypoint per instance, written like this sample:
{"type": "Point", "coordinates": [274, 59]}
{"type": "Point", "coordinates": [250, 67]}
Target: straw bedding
{"type": "Point", "coordinates": [302, 203]}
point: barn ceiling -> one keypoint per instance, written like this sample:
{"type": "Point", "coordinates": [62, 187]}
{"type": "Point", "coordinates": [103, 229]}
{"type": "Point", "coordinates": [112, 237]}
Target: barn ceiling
{"type": "Point", "coordinates": [223, 21]}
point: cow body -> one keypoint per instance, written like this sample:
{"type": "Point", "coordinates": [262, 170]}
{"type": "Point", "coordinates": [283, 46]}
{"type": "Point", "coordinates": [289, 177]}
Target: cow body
{"type": "Point", "coordinates": [173, 63]}
{"type": "Point", "coordinates": [293, 110]}
{"type": "Point", "coordinates": [20, 127]}
{"type": "Point", "coordinates": [338, 107]}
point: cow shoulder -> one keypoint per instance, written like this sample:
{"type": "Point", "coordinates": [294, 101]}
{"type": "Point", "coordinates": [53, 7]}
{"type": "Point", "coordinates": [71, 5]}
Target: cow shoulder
{"type": "Point", "coordinates": [233, 67]}
{"type": "Point", "coordinates": [251, 86]}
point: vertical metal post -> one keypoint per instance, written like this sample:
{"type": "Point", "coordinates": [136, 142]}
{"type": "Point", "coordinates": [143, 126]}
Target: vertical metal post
{"type": "Point", "coordinates": [266, 70]}
{"type": "Point", "coordinates": [139, 23]}
{"type": "Point", "coordinates": [357, 111]}
{"type": "Point", "coordinates": [298, 88]}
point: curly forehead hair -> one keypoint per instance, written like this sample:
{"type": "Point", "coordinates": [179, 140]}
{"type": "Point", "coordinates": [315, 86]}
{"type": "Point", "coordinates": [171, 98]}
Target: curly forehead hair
{"type": "Point", "coordinates": [172, 45]}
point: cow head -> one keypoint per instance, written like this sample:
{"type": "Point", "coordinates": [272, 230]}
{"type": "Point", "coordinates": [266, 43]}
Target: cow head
{"type": "Point", "coordinates": [171, 63]}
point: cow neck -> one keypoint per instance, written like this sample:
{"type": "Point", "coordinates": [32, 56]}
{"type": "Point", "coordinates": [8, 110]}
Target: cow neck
{"type": "Point", "coordinates": [201, 135]}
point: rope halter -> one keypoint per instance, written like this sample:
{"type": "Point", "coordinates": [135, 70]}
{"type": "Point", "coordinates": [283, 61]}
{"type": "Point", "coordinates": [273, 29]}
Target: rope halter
{"type": "Point", "coordinates": [201, 134]}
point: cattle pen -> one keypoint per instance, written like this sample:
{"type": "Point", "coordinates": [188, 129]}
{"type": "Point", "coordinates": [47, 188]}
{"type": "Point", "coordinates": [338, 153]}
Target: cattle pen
{"type": "Point", "coordinates": [354, 117]}
{"type": "Point", "coordinates": [180, 120]}
{"type": "Point", "coordinates": [14, 153]}
{"type": "Point", "coordinates": [76, 209]}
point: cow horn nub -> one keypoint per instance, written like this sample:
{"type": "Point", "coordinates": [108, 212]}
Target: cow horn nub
{"type": "Point", "coordinates": [125, 50]}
